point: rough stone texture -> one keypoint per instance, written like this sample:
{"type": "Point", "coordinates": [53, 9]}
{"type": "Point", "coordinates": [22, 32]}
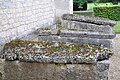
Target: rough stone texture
{"type": "Point", "coordinates": [18, 18]}
{"type": "Point", "coordinates": [79, 32]}
{"type": "Point", "coordinates": [35, 69]}
{"type": "Point", "coordinates": [76, 33]}
{"type": "Point", "coordinates": [38, 71]}
{"type": "Point", "coordinates": [64, 52]}
{"type": "Point", "coordinates": [54, 52]}
{"type": "Point", "coordinates": [24, 21]}
{"type": "Point", "coordinates": [86, 26]}
{"type": "Point", "coordinates": [103, 69]}
{"type": "Point", "coordinates": [93, 20]}
{"type": "Point", "coordinates": [2, 69]}
{"type": "Point", "coordinates": [63, 7]}
{"type": "Point", "coordinates": [91, 41]}
{"type": "Point", "coordinates": [87, 34]}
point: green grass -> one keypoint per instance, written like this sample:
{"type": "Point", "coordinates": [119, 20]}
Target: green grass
{"type": "Point", "coordinates": [117, 27]}
{"type": "Point", "coordinates": [90, 7]}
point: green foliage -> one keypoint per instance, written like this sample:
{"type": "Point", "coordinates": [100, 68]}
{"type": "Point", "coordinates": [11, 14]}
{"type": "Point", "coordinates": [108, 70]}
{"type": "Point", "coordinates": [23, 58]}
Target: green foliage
{"type": "Point", "coordinates": [110, 12]}
{"type": "Point", "coordinates": [104, 1]}
{"type": "Point", "coordinates": [114, 2]}
{"type": "Point", "coordinates": [81, 2]}
{"type": "Point", "coordinates": [79, 5]}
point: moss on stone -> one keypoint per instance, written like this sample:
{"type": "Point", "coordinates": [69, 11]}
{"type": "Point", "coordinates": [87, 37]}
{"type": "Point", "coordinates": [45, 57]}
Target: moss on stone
{"type": "Point", "coordinates": [73, 29]}
{"type": "Point", "coordinates": [45, 43]}
{"type": "Point", "coordinates": [20, 42]}
{"type": "Point", "coordinates": [49, 48]}
{"type": "Point", "coordinates": [84, 46]}
{"type": "Point", "coordinates": [72, 48]}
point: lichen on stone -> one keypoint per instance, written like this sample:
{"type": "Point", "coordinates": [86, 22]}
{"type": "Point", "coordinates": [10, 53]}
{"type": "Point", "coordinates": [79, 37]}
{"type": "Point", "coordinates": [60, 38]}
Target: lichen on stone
{"type": "Point", "coordinates": [67, 52]}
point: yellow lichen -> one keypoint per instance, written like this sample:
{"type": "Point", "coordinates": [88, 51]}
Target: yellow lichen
{"type": "Point", "coordinates": [62, 47]}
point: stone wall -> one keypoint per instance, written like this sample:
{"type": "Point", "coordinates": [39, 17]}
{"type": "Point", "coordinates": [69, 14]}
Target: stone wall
{"type": "Point", "coordinates": [63, 7]}
{"type": "Point", "coordinates": [40, 71]}
{"type": "Point", "coordinates": [20, 17]}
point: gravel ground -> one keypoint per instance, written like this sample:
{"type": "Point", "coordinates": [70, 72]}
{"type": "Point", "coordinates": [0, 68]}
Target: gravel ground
{"type": "Point", "coordinates": [114, 73]}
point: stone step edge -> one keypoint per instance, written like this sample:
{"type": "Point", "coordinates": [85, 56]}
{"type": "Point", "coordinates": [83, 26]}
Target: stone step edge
{"type": "Point", "coordinates": [87, 26]}
{"type": "Point", "coordinates": [93, 20]}
{"type": "Point", "coordinates": [82, 34]}
{"type": "Point", "coordinates": [59, 59]}
{"type": "Point", "coordinates": [58, 31]}
{"type": "Point", "coordinates": [91, 41]}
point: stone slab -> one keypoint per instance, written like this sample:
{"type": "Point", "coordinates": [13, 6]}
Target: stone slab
{"type": "Point", "coordinates": [42, 32]}
{"type": "Point", "coordinates": [86, 26]}
{"type": "Point", "coordinates": [40, 71]}
{"type": "Point", "coordinates": [91, 41]}
{"type": "Point", "coordinates": [54, 52]}
{"type": "Point", "coordinates": [83, 34]}
{"type": "Point", "coordinates": [92, 20]}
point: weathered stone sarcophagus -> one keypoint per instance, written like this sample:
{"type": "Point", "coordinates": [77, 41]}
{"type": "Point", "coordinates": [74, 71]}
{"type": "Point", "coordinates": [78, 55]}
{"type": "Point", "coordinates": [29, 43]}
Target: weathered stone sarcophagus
{"type": "Point", "coordinates": [82, 42]}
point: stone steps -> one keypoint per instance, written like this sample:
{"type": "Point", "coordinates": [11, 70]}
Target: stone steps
{"type": "Point", "coordinates": [87, 26]}
{"type": "Point", "coordinates": [81, 30]}
{"type": "Point", "coordinates": [84, 34]}
{"type": "Point", "coordinates": [91, 41]}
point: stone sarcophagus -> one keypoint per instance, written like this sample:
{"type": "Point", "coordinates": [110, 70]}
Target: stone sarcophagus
{"type": "Point", "coordinates": [84, 43]}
